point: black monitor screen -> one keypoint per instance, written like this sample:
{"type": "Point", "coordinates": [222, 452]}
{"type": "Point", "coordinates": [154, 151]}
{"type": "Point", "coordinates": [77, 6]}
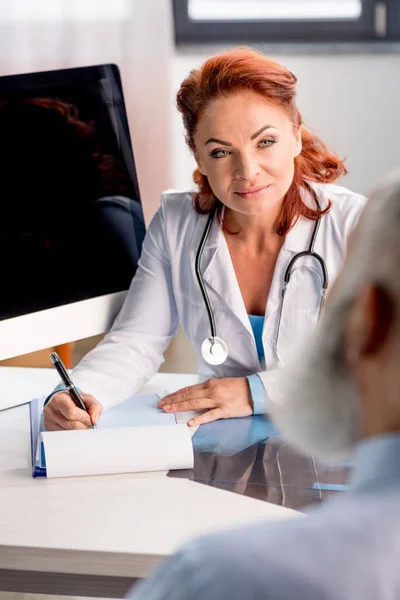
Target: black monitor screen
{"type": "Point", "coordinates": [71, 222]}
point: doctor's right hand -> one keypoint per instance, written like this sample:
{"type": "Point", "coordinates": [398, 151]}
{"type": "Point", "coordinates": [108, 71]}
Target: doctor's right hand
{"type": "Point", "coordinates": [62, 413]}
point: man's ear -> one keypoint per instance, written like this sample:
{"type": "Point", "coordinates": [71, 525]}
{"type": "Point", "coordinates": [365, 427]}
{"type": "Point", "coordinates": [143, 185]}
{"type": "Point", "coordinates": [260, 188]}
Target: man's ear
{"type": "Point", "coordinates": [199, 164]}
{"type": "Point", "coordinates": [369, 323]}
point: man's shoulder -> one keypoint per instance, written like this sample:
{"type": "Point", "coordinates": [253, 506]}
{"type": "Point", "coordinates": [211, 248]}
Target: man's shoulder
{"type": "Point", "coordinates": [280, 560]}
{"type": "Point", "coordinates": [347, 549]}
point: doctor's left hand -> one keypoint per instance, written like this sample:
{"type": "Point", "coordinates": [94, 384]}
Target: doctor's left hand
{"type": "Point", "coordinates": [223, 398]}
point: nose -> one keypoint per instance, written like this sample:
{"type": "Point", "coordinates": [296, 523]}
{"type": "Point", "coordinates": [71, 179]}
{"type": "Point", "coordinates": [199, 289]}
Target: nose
{"type": "Point", "coordinates": [247, 167]}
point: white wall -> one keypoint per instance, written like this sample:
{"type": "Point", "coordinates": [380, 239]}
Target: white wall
{"type": "Point", "coordinates": [350, 101]}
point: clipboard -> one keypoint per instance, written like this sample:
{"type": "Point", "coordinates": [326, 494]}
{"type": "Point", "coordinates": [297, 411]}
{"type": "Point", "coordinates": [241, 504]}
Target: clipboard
{"type": "Point", "coordinates": [133, 436]}
{"type": "Point", "coordinates": [38, 464]}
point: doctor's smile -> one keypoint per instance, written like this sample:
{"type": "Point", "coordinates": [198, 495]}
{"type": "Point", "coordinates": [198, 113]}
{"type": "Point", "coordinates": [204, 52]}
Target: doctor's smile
{"type": "Point", "coordinates": [254, 192]}
{"type": "Point", "coordinates": [218, 261]}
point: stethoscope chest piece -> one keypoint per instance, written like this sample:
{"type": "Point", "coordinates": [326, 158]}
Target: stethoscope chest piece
{"type": "Point", "coordinates": [214, 351]}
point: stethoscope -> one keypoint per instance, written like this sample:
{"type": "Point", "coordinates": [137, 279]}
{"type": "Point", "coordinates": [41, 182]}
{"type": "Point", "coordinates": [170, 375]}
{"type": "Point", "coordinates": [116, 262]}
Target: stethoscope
{"type": "Point", "coordinates": [214, 350]}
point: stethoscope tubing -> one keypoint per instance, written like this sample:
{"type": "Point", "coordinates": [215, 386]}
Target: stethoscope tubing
{"type": "Point", "coordinates": [310, 252]}
{"type": "Point", "coordinates": [199, 276]}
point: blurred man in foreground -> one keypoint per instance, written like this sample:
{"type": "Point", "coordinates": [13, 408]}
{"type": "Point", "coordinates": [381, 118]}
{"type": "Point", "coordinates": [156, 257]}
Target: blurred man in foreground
{"type": "Point", "coordinates": [347, 405]}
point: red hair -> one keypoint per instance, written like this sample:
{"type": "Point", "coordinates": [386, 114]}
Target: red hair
{"type": "Point", "coordinates": [244, 69]}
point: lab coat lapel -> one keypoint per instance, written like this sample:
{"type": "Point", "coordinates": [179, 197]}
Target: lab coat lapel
{"type": "Point", "coordinates": [299, 237]}
{"type": "Point", "coordinates": [218, 273]}
{"type": "Point", "coordinates": [297, 240]}
{"type": "Point", "coordinates": [220, 278]}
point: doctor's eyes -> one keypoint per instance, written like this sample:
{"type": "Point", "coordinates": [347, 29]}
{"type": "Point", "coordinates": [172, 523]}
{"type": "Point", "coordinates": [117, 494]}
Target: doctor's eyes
{"type": "Point", "coordinates": [219, 153]}
{"type": "Point", "coordinates": [266, 143]}
{"type": "Point", "coordinates": [222, 153]}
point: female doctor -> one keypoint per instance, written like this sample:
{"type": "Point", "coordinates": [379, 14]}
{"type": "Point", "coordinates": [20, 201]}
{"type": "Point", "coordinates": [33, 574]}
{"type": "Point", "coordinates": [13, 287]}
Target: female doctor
{"type": "Point", "coordinates": [243, 263]}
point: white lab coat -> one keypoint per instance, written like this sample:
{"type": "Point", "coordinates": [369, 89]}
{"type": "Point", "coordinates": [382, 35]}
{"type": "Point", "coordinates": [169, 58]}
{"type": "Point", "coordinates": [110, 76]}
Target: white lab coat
{"type": "Point", "coordinates": [165, 292]}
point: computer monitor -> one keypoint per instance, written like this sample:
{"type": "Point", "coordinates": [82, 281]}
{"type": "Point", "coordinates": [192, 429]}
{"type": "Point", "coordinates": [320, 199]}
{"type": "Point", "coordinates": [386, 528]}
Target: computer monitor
{"type": "Point", "coordinates": [71, 222]}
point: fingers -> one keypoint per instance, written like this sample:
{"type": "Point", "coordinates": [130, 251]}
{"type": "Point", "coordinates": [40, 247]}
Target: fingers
{"type": "Point", "coordinates": [62, 413]}
{"type": "Point", "coordinates": [195, 397]}
{"type": "Point", "coordinates": [60, 423]}
{"type": "Point", "coordinates": [207, 417]}
{"type": "Point", "coordinates": [94, 407]}
{"type": "Point", "coordinates": [186, 405]}
{"type": "Point", "coordinates": [183, 395]}
{"type": "Point", "coordinates": [64, 404]}
{"type": "Point", "coordinates": [186, 394]}
{"type": "Point", "coordinates": [190, 391]}
{"type": "Point", "coordinates": [220, 398]}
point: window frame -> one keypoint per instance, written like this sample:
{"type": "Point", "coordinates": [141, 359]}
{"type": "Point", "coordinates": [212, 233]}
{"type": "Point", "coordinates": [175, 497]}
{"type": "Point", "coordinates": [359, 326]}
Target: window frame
{"type": "Point", "coordinates": [393, 19]}
{"type": "Point", "coordinates": [362, 30]}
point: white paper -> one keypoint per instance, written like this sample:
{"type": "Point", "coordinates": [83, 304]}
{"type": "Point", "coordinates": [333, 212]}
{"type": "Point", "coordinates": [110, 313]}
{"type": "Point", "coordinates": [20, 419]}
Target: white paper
{"type": "Point", "coordinates": [136, 411]}
{"type": "Point", "coordinates": [122, 450]}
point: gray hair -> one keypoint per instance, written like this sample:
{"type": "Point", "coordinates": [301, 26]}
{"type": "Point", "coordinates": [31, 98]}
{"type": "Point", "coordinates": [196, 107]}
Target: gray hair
{"type": "Point", "coordinates": [325, 418]}
{"type": "Point", "coordinates": [375, 253]}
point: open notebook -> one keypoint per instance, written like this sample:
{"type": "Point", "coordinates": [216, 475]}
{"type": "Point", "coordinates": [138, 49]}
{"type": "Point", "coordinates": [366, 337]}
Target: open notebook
{"type": "Point", "coordinates": [134, 436]}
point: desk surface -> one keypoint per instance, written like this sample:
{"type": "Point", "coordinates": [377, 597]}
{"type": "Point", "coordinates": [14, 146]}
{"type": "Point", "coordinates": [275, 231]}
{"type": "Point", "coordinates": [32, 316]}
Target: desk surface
{"type": "Point", "coordinates": [122, 526]}
{"type": "Point", "coordinates": [249, 457]}
{"type": "Point", "coordinates": [118, 526]}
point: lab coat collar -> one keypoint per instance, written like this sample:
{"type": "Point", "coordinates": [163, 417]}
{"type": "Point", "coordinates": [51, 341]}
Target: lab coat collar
{"type": "Point", "coordinates": [218, 272]}
{"type": "Point", "coordinates": [377, 464]}
{"type": "Point", "coordinates": [213, 240]}
{"type": "Point", "coordinates": [298, 238]}
{"type": "Point", "coordinates": [217, 269]}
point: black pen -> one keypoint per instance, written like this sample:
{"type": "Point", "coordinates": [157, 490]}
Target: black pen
{"type": "Point", "coordinates": [67, 381]}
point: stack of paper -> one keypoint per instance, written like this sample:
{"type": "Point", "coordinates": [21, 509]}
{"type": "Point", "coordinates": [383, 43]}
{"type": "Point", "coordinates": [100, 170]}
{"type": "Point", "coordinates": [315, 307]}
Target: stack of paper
{"type": "Point", "coordinates": [134, 436]}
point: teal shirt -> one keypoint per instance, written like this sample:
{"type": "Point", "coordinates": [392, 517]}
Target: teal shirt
{"type": "Point", "coordinates": [257, 389]}
{"type": "Point", "coordinates": [257, 324]}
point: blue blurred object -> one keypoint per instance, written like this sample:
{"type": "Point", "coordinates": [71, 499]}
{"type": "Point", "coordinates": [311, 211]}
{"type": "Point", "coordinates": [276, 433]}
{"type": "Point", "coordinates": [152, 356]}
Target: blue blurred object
{"type": "Point", "coordinates": [330, 487]}
{"type": "Point", "coordinates": [229, 436]}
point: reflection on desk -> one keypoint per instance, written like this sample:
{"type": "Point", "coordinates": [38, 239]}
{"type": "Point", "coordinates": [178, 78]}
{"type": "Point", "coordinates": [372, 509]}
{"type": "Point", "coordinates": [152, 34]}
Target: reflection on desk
{"type": "Point", "coordinates": [249, 456]}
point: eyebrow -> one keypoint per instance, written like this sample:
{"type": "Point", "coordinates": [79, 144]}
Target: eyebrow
{"type": "Point", "coordinates": [255, 135]}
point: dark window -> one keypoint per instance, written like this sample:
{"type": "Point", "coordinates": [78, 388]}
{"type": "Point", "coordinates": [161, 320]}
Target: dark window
{"type": "Point", "coordinates": [241, 21]}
